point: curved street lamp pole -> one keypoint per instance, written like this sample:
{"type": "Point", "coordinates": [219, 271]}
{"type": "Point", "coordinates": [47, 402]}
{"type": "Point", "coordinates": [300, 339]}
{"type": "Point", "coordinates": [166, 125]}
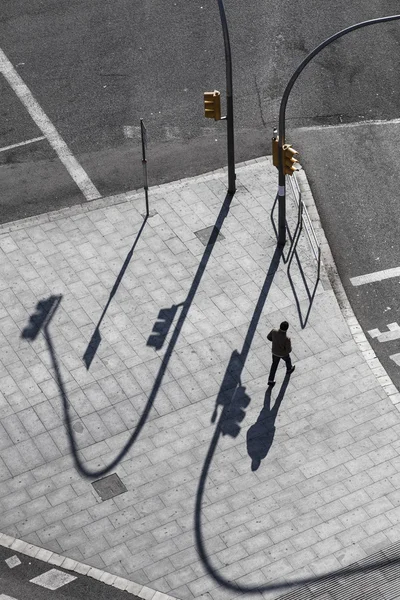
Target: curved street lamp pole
{"type": "Point", "coordinates": [282, 114]}
{"type": "Point", "coordinates": [229, 101]}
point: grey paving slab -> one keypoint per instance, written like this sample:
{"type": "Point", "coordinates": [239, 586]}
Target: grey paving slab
{"type": "Point", "coordinates": [324, 495]}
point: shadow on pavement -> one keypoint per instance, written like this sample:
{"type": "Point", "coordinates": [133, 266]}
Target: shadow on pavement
{"type": "Point", "coordinates": [41, 320]}
{"type": "Point", "coordinates": [261, 435]}
{"type": "Point", "coordinates": [310, 294]}
{"type": "Point", "coordinates": [96, 337]}
{"type": "Point", "coordinates": [234, 400]}
{"type": "Point", "coordinates": [288, 260]}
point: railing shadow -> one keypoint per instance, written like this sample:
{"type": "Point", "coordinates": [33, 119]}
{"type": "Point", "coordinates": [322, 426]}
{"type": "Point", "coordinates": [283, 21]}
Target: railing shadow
{"type": "Point", "coordinates": [310, 294]}
{"type": "Point", "coordinates": [292, 252]}
{"type": "Point", "coordinates": [42, 318]}
{"type": "Point", "coordinates": [95, 340]}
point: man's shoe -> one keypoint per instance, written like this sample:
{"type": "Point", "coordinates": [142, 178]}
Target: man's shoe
{"type": "Point", "coordinates": [271, 383]}
{"type": "Point", "coordinates": [291, 370]}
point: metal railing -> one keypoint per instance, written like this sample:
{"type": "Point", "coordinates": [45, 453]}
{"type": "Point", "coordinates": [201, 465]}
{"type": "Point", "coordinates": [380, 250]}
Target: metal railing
{"type": "Point", "coordinates": [303, 219]}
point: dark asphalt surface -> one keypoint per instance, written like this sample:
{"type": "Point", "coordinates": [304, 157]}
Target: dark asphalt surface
{"type": "Point", "coordinates": [353, 172]}
{"type": "Point", "coordinates": [15, 582]}
{"type": "Point", "coordinates": [98, 66]}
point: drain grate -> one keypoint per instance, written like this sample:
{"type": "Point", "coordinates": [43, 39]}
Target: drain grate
{"type": "Point", "coordinates": [109, 486]}
{"type": "Point", "coordinates": [205, 234]}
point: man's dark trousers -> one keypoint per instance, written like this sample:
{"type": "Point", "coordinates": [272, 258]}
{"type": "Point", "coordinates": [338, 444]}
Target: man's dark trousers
{"type": "Point", "coordinates": [275, 363]}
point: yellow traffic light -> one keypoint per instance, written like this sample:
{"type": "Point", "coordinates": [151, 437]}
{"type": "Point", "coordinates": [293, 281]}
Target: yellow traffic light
{"type": "Point", "coordinates": [275, 152]}
{"type": "Point", "coordinates": [288, 159]}
{"type": "Point", "coordinates": [212, 105]}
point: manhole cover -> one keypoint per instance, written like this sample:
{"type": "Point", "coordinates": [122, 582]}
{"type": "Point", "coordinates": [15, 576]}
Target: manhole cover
{"type": "Point", "coordinates": [109, 486]}
{"type": "Point", "coordinates": [208, 234]}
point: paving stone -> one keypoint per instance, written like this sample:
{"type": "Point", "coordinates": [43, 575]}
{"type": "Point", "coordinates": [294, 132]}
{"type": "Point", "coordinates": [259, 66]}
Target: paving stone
{"type": "Point", "coordinates": [332, 472]}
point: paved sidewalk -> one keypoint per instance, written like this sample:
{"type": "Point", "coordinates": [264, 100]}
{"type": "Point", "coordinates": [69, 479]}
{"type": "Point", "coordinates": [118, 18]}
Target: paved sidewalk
{"type": "Point", "coordinates": [178, 366]}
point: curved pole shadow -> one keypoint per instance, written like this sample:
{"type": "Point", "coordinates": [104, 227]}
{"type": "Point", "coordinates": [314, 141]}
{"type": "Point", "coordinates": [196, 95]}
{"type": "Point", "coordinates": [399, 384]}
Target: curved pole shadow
{"type": "Point", "coordinates": [233, 399]}
{"type": "Point", "coordinates": [41, 320]}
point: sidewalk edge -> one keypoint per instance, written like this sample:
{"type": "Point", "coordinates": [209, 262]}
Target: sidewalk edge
{"type": "Point", "coordinates": [52, 558]}
{"type": "Point", "coordinates": [335, 282]}
{"type": "Point", "coordinates": [114, 199]}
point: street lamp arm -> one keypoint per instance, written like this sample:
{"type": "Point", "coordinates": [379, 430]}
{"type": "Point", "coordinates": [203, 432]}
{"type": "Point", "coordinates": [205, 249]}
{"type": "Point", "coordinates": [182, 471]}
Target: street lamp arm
{"type": "Point", "coordinates": [282, 113]}
{"type": "Point", "coordinates": [304, 63]}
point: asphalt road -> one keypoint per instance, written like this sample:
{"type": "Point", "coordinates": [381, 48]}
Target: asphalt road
{"type": "Point", "coordinates": [97, 67]}
{"type": "Point", "coordinates": [16, 584]}
{"type": "Point", "coordinates": [354, 174]}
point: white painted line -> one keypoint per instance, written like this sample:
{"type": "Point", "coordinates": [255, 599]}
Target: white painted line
{"type": "Point", "coordinates": [37, 139]}
{"type": "Point", "coordinates": [73, 167]}
{"type": "Point", "coordinates": [132, 132]}
{"type": "Point", "coordinates": [13, 561]}
{"type": "Point", "coordinates": [5, 597]}
{"type": "Point", "coordinates": [53, 579]}
{"type": "Point", "coordinates": [396, 358]}
{"type": "Point", "coordinates": [378, 276]}
{"type": "Point", "coordinates": [354, 124]}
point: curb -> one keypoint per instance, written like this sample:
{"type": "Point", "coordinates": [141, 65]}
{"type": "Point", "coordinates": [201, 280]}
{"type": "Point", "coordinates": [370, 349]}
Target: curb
{"type": "Point", "coordinates": [52, 558]}
{"type": "Point", "coordinates": [108, 201]}
{"type": "Point", "coordinates": [332, 274]}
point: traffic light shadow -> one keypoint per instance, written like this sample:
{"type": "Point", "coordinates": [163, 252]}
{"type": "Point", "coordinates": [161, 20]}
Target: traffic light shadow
{"type": "Point", "coordinates": [41, 318]}
{"type": "Point", "coordinates": [233, 400]}
{"type": "Point", "coordinates": [46, 309]}
{"type": "Point", "coordinates": [95, 340]}
{"type": "Point", "coordinates": [162, 326]}
{"type": "Point", "coordinates": [260, 435]}
{"type": "Point", "coordinates": [309, 292]}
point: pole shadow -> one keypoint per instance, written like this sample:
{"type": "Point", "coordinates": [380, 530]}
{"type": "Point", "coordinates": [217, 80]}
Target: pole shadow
{"type": "Point", "coordinates": [95, 340]}
{"type": "Point", "coordinates": [45, 310]}
{"type": "Point", "coordinates": [260, 435]}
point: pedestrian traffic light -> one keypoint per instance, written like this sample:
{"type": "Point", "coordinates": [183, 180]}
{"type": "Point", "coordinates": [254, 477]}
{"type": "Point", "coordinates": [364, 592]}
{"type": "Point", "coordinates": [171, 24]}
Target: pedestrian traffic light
{"type": "Point", "coordinates": [212, 105]}
{"type": "Point", "coordinates": [288, 159]}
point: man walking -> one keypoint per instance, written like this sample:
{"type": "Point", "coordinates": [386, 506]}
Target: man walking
{"type": "Point", "coordinates": [281, 348]}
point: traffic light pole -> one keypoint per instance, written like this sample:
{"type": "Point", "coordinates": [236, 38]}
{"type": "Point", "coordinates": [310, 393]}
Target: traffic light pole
{"type": "Point", "coordinates": [229, 102]}
{"type": "Point", "coordinates": [282, 114]}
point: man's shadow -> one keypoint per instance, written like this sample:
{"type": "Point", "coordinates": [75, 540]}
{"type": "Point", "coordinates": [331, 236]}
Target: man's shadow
{"type": "Point", "coordinates": [261, 435]}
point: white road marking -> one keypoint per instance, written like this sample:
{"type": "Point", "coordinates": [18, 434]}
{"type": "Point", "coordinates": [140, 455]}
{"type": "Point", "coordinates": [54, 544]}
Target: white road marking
{"type": "Point", "coordinates": [37, 139]}
{"type": "Point", "coordinates": [73, 167]}
{"type": "Point", "coordinates": [392, 334]}
{"type": "Point", "coordinates": [377, 276]}
{"type": "Point", "coordinates": [396, 358]}
{"type": "Point", "coordinates": [13, 561]}
{"type": "Point", "coordinates": [5, 597]}
{"type": "Point", "coordinates": [354, 124]}
{"type": "Point", "coordinates": [53, 579]}
{"type": "Point", "coordinates": [130, 131]}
